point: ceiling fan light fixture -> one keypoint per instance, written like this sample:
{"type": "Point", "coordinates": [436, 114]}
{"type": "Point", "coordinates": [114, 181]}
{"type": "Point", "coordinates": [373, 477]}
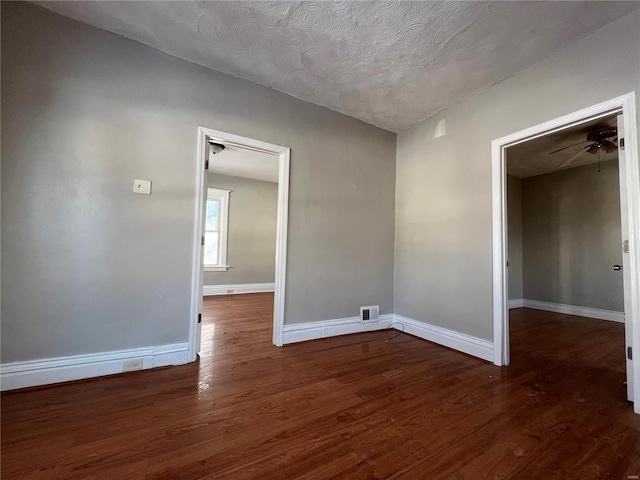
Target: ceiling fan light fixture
{"type": "Point", "coordinates": [594, 148]}
{"type": "Point", "coordinates": [216, 147]}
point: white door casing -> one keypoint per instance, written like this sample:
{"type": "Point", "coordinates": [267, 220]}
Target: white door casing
{"type": "Point", "coordinates": [630, 176]}
{"type": "Point", "coordinates": [197, 277]}
{"type": "Point", "coordinates": [626, 273]}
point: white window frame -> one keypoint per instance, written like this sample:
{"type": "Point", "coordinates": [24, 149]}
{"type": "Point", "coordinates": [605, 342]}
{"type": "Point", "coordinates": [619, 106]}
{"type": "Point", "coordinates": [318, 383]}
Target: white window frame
{"type": "Point", "coordinates": [222, 196]}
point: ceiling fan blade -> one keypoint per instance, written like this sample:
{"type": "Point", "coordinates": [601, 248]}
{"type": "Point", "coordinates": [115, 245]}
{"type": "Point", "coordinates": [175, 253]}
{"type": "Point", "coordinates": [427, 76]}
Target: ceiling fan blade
{"type": "Point", "coordinates": [573, 157]}
{"type": "Point", "coordinates": [569, 146]}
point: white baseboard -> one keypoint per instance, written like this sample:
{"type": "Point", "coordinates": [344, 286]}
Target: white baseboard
{"type": "Point", "coordinates": [171, 354]}
{"type": "Point", "coordinates": [237, 288]}
{"type": "Point", "coordinates": [474, 346]}
{"type": "Point", "coordinates": [477, 347]}
{"type": "Point", "coordinates": [517, 303]}
{"type": "Point", "coordinates": [63, 369]}
{"type": "Point", "coordinates": [576, 310]}
{"type": "Point", "coordinates": [301, 332]}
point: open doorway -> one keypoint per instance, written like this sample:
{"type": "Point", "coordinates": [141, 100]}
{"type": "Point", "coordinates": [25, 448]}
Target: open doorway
{"type": "Point", "coordinates": [624, 107]}
{"type": "Point", "coordinates": [240, 242]}
{"type": "Point", "coordinates": [564, 234]}
{"type": "Point", "coordinates": [239, 247]}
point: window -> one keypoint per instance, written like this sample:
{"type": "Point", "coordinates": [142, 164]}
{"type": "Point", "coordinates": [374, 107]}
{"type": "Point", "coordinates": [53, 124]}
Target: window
{"type": "Point", "coordinates": [215, 230]}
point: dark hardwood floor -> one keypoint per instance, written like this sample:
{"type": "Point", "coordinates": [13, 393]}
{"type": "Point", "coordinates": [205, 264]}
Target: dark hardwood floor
{"type": "Point", "coordinates": [347, 407]}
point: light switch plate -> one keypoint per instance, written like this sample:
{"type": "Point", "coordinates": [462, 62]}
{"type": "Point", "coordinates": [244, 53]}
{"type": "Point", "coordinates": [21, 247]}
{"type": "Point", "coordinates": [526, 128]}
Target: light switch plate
{"type": "Point", "coordinates": [142, 186]}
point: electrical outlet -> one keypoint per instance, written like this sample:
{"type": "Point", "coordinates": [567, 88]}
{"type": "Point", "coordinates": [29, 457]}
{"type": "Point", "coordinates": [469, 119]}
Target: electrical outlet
{"type": "Point", "coordinates": [229, 290]}
{"type": "Point", "coordinates": [132, 364]}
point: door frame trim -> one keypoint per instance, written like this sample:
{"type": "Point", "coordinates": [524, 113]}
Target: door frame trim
{"type": "Point", "coordinates": [626, 105]}
{"type": "Point", "coordinates": [197, 270]}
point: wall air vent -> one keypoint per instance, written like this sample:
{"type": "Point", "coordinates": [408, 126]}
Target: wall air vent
{"type": "Point", "coordinates": [370, 314]}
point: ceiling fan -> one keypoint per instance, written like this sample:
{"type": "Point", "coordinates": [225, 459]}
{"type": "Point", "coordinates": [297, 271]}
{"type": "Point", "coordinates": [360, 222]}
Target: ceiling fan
{"type": "Point", "coordinates": [604, 139]}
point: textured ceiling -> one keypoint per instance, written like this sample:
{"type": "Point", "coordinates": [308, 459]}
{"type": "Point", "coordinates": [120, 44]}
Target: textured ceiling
{"type": "Point", "coordinates": [240, 162]}
{"type": "Point", "coordinates": [534, 158]}
{"type": "Point", "coordinates": [391, 64]}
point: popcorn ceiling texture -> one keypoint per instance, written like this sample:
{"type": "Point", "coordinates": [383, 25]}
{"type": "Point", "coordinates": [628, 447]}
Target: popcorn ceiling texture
{"type": "Point", "coordinates": [391, 64]}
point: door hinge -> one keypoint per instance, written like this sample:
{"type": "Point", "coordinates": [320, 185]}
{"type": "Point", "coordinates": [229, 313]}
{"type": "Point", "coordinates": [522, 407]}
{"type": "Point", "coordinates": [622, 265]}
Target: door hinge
{"type": "Point", "coordinates": [621, 143]}
{"type": "Point", "coordinates": [206, 164]}
{"type": "Point", "coordinates": [625, 246]}
{"type": "Point", "coordinates": [202, 241]}
{"type": "Point", "coordinates": [629, 353]}
{"type": "Point", "coordinates": [199, 318]}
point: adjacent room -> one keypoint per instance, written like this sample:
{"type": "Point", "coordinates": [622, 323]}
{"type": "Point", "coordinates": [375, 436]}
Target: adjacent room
{"type": "Point", "coordinates": [280, 240]}
{"type": "Point", "coordinates": [239, 249]}
{"type": "Point", "coordinates": [565, 268]}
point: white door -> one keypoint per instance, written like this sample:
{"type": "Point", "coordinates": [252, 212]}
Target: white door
{"type": "Point", "coordinates": [625, 272]}
{"type": "Point", "coordinates": [199, 331]}
{"type": "Point", "coordinates": [203, 219]}
{"type": "Point", "coordinates": [506, 352]}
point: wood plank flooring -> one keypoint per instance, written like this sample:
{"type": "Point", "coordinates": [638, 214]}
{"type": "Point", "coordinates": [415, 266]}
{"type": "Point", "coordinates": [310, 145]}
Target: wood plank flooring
{"type": "Point", "coordinates": [352, 407]}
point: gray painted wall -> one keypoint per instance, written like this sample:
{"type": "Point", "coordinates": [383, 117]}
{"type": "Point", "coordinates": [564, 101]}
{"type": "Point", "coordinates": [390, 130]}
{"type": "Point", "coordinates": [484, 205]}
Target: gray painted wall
{"type": "Point", "coordinates": [91, 267]}
{"type": "Point", "coordinates": [571, 237]}
{"type": "Point", "coordinates": [251, 240]}
{"type": "Point", "coordinates": [514, 238]}
{"type": "Point", "coordinates": [443, 268]}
